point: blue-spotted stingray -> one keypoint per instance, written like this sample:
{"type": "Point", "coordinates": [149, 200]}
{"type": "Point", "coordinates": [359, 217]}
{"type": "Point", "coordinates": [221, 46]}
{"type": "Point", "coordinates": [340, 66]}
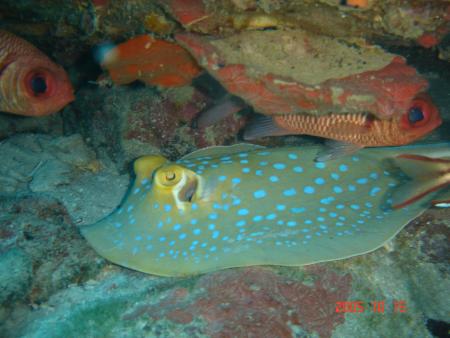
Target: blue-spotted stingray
{"type": "Point", "coordinates": [245, 205]}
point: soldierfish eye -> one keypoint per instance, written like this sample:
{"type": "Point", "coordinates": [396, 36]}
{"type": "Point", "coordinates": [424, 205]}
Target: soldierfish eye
{"type": "Point", "coordinates": [38, 84]}
{"type": "Point", "coordinates": [415, 114]}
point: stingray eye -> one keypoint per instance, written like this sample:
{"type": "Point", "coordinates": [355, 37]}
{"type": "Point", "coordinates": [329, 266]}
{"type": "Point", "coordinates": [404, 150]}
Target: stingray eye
{"type": "Point", "coordinates": [415, 114]}
{"type": "Point", "coordinates": [38, 84]}
{"type": "Point", "coordinates": [170, 176]}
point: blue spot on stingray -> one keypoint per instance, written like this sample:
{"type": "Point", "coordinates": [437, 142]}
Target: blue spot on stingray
{"type": "Point", "coordinates": [240, 223]}
{"type": "Point", "coordinates": [138, 238]}
{"type": "Point", "coordinates": [340, 206]}
{"type": "Point", "coordinates": [171, 243]}
{"type": "Point", "coordinates": [305, 230]}
{"type": "Point", "coordinates": [323, 227]}
{"type": "Point", "coordinates": [319, 181]}
{"type": "Point", "coordinates": [291, 224]}
{"type": "Point", "coordinates": [243, 161]}
{"type": "Point", "coordinates": [217, 206]}
{"type": "Point", "coordinates": [273, 178]}
{"type": "Point", "coordinates": [337, 189]}
{"type": "Point", "coordinates": [132, 221]}
{"type": "Point", "coordinates": [194, 206]}
{"type": "Point", "coordinates": [212, 226]}
{"type": "Point", "coordinates": [196, 231]}
{"type": "Point", "coordinates": [355, 158]}
{"type": "Point", "coordinates": [162, 239]}
{"type": "Point", "coordinates": [215, 234]}
{"type": "Point", "coordinates": [167, 207]}
{"type": "Point", "coordinates": [327, 200]}
{"type": "Point", "coordinates": [308, 189]}
{"type": "Point", "coordinates": [213, 215]}
{"type": "Point", "coordinates": [320, 165]}
{"type": "Point", "coordinates": [182, 236]}
{"type": "Point", "coordinates": [263, 163]}
{"type": "Point", "coordinates": [243, 155]}
{"type": "Point", "coordinates": [236, 180]}
{"type": "Point", "coordinates": [131, 207]}
{"type": "Point", "coordinates": [136, 191]}
{"type": "Point", "coordinates": [281, 207]}
{"type": "Point", "coordinates": [259, 194]}
{"type": "Point", "coordinates": [354, 206]}
{"type": "Point", "coordinates": [245, 170]}
{"type": "Point", "coordinates": [343, 167]}
{"type": "Point", "coordinates": [362, 180]}
{"type": "Point", "coordinates": [298, 169]}
{"type": "Point", "coordinates": [373, 175]}
{"type": "Point", "coordinates": [160, 224]}
{"type": "Point", "coordinates": [322, 209]}
{"type": "Point", "coordinates": [308, 221]}
{"type": "Point", "coordinates": [177, 227]}
{"type": "Point", "coordinates": [225, 238]}
{"type": "Point", "coordinates": [259, 172]}
{"type": "Point", "coordinates": [351, 187]}
{"type": "Point", "coordinates": [374, 191]}
{"type": "Point", "coordinates": [149, 247]}
{"type": "Point", "coordinates": [289, 192]}
{"type": "Point", "coordinates": [369, 205]}
{"type": "Point", "coordinates": [335, 176]}
{"type": "Point", "coordinates": [257, 218]}
{"type": "Point", "coordinates": [263, 153]}
{"type": "Point", "coordinates": [155, 206]}
{"type": "Point", "coordinates": [332, 214]}
{"type": "Point", "coordinates": [242, 212]}
{"type": "Point", "coordinates": [293, 156]}
{"type": "Point", "coordinates": [117, 224]}
{"type": "Point", "coordinates": [297, 210]}
{"type": "Point", "coordinates": [236, 201]}
{"type": "Point", "coordinates": [271, 216]}
{"type": "Point", "coordinates": [222, 178]}
{"type": "Point", "coordinates": [279, 166]}
{"type": "Point", "coordinates": [213, 248]}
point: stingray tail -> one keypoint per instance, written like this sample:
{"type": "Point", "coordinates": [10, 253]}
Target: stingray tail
{"type": "Point", "coordinates": [427, 175]}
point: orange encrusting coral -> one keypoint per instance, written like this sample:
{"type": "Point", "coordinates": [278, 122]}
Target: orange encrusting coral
{"type": "Point", "coordinates": [153, 61]}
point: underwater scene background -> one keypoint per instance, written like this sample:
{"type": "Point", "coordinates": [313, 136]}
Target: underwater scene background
{"type": "Point", "coordinates": [235, 168]}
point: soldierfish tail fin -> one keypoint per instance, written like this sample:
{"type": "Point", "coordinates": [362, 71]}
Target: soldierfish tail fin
{"type": "Point", "coordinates": [263, 126]}
{"type": "Point", "coordinates": [223, 108]}
{"type": "Point", "coordinates": [427, 175]}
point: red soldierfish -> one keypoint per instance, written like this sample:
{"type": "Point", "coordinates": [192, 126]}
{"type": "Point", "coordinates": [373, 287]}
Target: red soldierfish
{"type": "Point", "coordinates": [30, 83]}
{"type": "Point", "coordinates": [354, 130]}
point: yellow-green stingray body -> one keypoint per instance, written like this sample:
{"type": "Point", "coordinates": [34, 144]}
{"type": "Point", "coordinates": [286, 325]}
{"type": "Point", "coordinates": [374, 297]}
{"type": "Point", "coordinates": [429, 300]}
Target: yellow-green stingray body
{"type": "Point", "coordinates": [245, 205]}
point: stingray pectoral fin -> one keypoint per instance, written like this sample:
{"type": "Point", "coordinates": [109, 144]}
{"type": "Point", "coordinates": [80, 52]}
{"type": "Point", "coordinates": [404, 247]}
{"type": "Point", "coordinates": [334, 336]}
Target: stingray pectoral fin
{"type": "Point", "coordinates": [263, 126]}
{"type": "Point", "coordinates": [336, 149]}
{"type": "Point", "coordinates": [427, 175]}
{"type": "Point", "coordinates": [144, 166]}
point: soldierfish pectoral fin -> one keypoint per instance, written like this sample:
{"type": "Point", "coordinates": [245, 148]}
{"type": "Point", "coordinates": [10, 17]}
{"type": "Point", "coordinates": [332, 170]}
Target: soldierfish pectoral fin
{"type": "Point", "coordinates": [263, 126]}
{"type": "Point", "coordinates": [427, 175]}
{"type": "Point", "coordinates": [223, 108]}
{"type": "Point", "coordinates": [336, 149]}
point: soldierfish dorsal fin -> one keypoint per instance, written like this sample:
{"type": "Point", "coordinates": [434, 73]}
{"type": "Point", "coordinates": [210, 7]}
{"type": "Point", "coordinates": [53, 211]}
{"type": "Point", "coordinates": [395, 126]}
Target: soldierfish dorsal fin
{"type": "Point", "coordinates": [217, 151]}
{"type": "Point", "coordinates": [427, 175]}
